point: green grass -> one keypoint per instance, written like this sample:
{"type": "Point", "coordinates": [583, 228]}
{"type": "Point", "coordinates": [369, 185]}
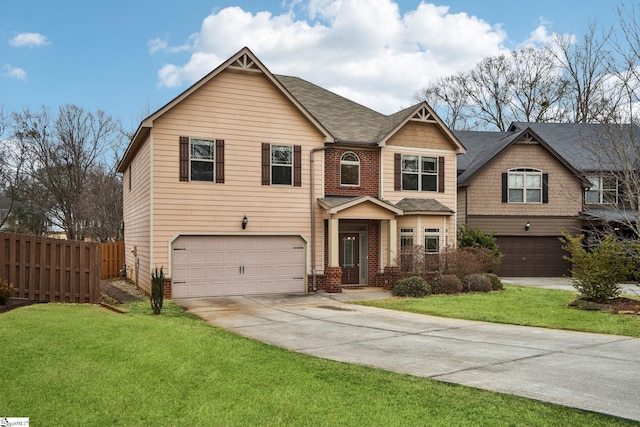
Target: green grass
{"type": "Point", "coordinates": [518, 305]}
{"type": "Point", "coordinates": [81, 365]}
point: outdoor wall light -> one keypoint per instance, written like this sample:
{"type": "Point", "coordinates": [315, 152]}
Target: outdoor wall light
{"type": "Point", "coordinates": [245, 221]}
{"type": "Point", "coordinates": [527, 226]}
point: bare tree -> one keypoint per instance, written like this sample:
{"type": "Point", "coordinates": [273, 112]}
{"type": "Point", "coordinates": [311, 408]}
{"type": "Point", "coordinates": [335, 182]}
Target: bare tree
{"type": "Point", "coordinates": [585, 64]}
{"type": "Point", "coordinates": [449, 97]}
{"type": "Point", "coordinates": [65, 152]}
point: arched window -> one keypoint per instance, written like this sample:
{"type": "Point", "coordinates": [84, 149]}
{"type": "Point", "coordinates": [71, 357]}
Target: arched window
{"type": "Point", "coordinates": [349, 169]}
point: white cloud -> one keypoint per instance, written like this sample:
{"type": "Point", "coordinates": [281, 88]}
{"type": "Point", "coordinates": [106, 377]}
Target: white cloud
{"type": "Point", "coordinates": [366, 50]}
{"type": "Point", "coordinates": [29, 40]}
{"type": "Point", "coordinates": [158, 44]}
{"type": "Point", "coordinates": [15, 73]}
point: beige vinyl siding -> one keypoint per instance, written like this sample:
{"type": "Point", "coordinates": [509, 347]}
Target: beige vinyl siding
{"type": "Point", "coordinates": [446, 225]}
{"type": "Point", "coordinates": [137, 219]}
{"type": "Point", "coordinates": [245, 110]}
{"type": "Point", "coordinates": [461, 214]}
{"type": "Point", "coordinates": [448, 198]}
{"type": "Point", "coordinates": [421, 135]}
{"type": "Point", "coordinates": [484, 194]}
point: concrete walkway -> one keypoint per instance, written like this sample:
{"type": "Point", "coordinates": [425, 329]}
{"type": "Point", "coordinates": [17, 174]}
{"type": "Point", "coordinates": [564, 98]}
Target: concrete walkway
{"type": "Point", "coordinates": [588, 371]}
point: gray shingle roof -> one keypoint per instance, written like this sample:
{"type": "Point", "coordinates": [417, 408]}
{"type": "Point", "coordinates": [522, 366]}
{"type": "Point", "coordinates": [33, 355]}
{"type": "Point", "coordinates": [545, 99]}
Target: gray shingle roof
{"type": "Point", "coordinates": [582, 146]}
{"type": "Point", "coordinates": [423, 206]}
{"type": "Point", "coordinates": [347, 121]}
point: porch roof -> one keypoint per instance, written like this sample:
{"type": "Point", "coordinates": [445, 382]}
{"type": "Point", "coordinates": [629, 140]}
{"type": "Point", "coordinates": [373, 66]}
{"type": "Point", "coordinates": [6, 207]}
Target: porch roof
{"type": "Point", "coordinates": [424, 207]}
{"type": "Point", "coordinates": [336, 204]}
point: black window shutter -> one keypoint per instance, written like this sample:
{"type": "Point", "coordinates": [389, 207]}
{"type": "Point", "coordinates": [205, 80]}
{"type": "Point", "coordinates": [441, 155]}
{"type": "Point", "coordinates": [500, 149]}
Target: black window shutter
{"type": "Point", "coordinates": [297, 166]}
{"type": "Point", "coordinates": [266, 163]}
{"type": "Point", "coordinates": [441, 175]}
{"type": "Point", "coordinates": [184, 158]}
{"type": "Point", "coordinates": [220, 161]}
{"type": "Point", "coordinates": [505, 187]}
{"type": "Point", "coordinates": [397, 172]}
{"type": "Point", "coordinates": [545, 188]}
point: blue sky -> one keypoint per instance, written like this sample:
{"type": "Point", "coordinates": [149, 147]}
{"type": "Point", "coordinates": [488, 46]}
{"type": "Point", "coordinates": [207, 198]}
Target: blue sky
{"type": "Point", "coordinates": [130, 57]}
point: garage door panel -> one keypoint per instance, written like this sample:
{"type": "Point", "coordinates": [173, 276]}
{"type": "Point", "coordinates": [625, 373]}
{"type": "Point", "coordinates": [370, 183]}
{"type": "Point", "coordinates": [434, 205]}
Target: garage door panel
{"type": "Point", "coordinates": [537, 256]}
{"type": "Point", "coordinates": [235, 265]}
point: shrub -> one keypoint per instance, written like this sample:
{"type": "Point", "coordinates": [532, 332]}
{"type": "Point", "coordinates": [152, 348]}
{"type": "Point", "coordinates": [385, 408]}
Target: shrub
{"type": "Point", "coordinates": [6, 291]}
{"type": "Point", "coordinates": [414, 286]}
{"type": "Point", "coordinates": [473, 237]}
{"type": "Point", "coordinates": [157, 290]}
{"type": "Point", "coordinates": [447, 284]}
{"type": "Point", "coordinates": [496, 283]}
{"type": "Point", "coordinates": [599, 270]}
{"type": "Point", "coordinates": [477, 283]}
{"type": "Point", "coordinates": [460, 262]}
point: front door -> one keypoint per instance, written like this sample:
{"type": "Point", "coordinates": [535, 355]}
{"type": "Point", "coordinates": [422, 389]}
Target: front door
{"type": "Point", "coordinates": [350, 258]}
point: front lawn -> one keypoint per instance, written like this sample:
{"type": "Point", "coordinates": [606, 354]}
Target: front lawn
{"type": "Point", "coordinates": [82, 365]}
{"type": "Point", "coordinates": [518, 305]}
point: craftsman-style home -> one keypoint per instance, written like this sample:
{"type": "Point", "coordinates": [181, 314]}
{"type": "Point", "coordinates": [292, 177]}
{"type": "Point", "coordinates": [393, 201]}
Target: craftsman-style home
{"type": "Point", "coordinates": [250, 182]}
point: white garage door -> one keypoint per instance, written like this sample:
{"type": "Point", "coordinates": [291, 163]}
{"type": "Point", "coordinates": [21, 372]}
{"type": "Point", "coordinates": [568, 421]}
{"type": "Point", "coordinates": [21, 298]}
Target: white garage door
{"type": "Point", "coordinates": [237, 265]}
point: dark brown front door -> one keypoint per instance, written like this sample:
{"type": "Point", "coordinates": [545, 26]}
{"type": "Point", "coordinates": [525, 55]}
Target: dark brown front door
{"type": "Point", "coordinates": [350, 258]}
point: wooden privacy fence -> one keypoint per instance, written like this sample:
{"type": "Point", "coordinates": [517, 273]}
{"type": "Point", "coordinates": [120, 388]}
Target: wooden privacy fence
{"type": "Point", "coordinates": [111, 259]}
{"type": "Point", "coordinates": [44, 269]}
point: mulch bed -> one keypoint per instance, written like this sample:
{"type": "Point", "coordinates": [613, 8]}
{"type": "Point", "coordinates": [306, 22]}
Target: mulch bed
{"type": "Point", "coordinates": [15, 303]}
{"type": "Point", "coordinates": [620, 305]}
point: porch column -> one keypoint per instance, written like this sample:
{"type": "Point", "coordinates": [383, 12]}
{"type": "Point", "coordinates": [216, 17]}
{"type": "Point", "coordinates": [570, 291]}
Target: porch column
{"type": "Point", "coordinates": [392, 244]}
{"type": "Point", "coordinates": [334, 243]}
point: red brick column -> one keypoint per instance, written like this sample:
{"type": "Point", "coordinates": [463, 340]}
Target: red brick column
{"type": "Point", "coordinates": [333, 279]}
{"type": "Point", "coordinates": [167, 287]}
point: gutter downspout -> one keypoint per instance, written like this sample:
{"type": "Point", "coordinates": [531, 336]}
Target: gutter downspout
{"type": "Point", "coordinates": [314, 286]}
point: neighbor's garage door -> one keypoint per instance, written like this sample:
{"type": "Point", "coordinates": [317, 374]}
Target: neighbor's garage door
{"type": "Point", "coordinates": [237, 265]}
{"type": "Point", "coordinates": [532, 257]}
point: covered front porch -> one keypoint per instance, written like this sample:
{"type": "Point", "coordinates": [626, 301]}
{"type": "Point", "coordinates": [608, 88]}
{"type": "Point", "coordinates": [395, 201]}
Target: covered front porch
{"type": "Point", "coordinates": [360, 241]}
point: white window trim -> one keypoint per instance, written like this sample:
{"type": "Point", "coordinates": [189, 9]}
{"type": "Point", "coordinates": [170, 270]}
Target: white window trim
{"type": "Point", "coordinates": [419, 173]}
{"type": "Point", "coordinates": [524, 172]}
{"type": "Point", "coordinates": [271, 164]}
{"type": "Point", "coordinates": [601, 190]}
{"type": "Point", "coordinates": [352, 163]}
{"type": "Point", "coordinates": [212, 160]}
{"type": "Point", "coordinates": [432, 233]}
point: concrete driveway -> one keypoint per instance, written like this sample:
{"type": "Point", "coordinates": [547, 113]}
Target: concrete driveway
{"type": "Point", "coordinates": [587, 371]}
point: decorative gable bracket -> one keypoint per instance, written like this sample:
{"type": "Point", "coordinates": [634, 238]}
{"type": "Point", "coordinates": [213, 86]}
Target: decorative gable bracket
{"type": "Point", "coordinates": [423, 115]}
{"type": "Point", "coordinates": [245, 63]}
{"type": "Point", "coordinates": [528, 138]}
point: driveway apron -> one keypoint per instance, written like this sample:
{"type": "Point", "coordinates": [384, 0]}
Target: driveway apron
{"type": "Point", "coordinates": [593, 372]}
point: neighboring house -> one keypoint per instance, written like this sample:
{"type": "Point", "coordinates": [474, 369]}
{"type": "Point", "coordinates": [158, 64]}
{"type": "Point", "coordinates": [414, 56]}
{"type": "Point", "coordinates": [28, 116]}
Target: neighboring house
{"type": "Point", "coordinates": [530, 183]}
{"type": "Point", "coordinates": [250, 182]}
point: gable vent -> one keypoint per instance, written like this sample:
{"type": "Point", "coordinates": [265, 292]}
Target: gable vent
{"type": "Point", "coordinates": [423, 115]}
{"type": "Point", "coordinates": [527, 138]}
{"type": "Point", "coordinates": [245, 63]}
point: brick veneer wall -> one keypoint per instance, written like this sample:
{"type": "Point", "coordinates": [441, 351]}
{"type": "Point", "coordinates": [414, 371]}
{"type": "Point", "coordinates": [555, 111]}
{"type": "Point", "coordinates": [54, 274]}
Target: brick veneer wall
{"type": "Point", "coordinates": [167, 287]}
{"type": "Point", "coordinates": [374, 251]}
{"type": "Point", "coordinates": [369, 173]}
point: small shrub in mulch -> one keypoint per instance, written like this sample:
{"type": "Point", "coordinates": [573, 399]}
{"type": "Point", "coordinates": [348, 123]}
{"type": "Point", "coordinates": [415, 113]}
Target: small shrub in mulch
{"type": "Point", "coordinates": [477, 283]}
{"type": "Point", "coordinates": [447, 284]}
{"type": "Point", "coordinates": [619, 305]}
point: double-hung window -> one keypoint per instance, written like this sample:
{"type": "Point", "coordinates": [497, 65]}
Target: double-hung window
{"type": "Point", "coordinates": [432, 240]}
{"type": "Point", "coordinates": [604, 189]}
{"type": "Point", "coordinates": [281, 164]}
{"type": "Point", "coordinates": [419, 173]}
{"type": "Point", "coordinates": [525, 186]}
{"type": "Point", "coordinates": [202, 161]}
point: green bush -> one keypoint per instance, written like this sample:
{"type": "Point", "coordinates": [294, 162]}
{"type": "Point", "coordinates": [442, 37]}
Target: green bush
{"type": "Point", "coordinates": [473, 237]}
{"type": "Point", "coordinates": [477, 283]}
{"type": "Point", "coordinates": [597, 271]}
{"type": "Point", "coordinates": [414, 286]}
{"type": "Point", "coordinates": [496, 283]}
{"type": "Point", "coordinates": [157, 290]}
{"type": "Point", "coordinates": [447, 284]}
{"type": "Point", "coordinates": [6, 291]}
